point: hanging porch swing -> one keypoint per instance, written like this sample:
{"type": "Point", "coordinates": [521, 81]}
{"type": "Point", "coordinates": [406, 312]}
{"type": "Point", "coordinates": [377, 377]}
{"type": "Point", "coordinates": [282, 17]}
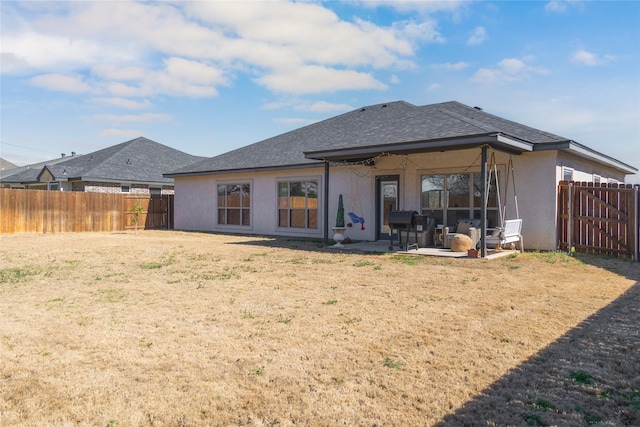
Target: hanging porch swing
{"type": "Point", "coordinates": [509, 232]}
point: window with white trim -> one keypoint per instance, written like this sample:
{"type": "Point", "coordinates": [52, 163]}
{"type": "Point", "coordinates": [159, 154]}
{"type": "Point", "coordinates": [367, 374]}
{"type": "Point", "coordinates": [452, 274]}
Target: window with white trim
{"type": "Point", "coordinates": [125, 189]}
{"type": "Point", "coordinates": [298, 204]}
{"type": "Point", "coordinates": [234, 204]}
{"type": "Point", "coordinates": [567, 174]}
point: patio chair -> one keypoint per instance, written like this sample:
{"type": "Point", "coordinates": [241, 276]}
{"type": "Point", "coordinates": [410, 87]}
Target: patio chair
{"type": "Point", "coordinates": [467, 226]}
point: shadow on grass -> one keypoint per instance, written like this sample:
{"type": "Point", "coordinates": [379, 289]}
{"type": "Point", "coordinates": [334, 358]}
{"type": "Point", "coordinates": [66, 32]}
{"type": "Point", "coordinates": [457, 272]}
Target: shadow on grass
{"type": "Point", "coordinates": [590, 376]}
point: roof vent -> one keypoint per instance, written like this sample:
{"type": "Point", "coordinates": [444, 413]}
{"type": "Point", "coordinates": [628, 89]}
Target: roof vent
{"type": "Point", "coordinates": [62, 154]}
{"type": "Point", "coordinates": [128, 161]}
{"type": "Point", "coordinates": [384, 105]}
{"type": "Point", "coordinates": [363, 109]}
{"type": "Point", "coordinates": [478, 108]}
{"type": "Point", "coordinates": [73, 153]}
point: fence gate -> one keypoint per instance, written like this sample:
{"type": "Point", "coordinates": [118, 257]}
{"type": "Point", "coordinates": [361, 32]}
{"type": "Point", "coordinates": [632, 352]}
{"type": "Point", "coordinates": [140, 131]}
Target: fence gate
{"type": "Point", "coordinates": [599, 218]}
{"type": "Point", "coordinates": [157, 211]}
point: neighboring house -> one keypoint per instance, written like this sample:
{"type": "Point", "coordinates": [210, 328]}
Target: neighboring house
{"type": "Point", "coordinates": [6, 165]}
{"type": "Point", "coordinates": [134, 166]}
{"type": "Point", "coordinates": [393, 156]}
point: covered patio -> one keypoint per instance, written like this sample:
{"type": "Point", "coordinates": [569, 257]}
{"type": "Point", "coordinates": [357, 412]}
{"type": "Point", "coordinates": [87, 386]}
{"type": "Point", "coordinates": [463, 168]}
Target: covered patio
{"type": "Point", "coordinates": [483, 143]}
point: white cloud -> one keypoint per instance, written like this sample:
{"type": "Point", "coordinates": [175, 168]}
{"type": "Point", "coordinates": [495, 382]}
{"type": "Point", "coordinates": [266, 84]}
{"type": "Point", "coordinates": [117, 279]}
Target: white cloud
{"type": "Point", "coordinates": [448, 66]}
{"type": "Point", "coordinates": [128, 104]}
{"type": "Point", "coordinates": [180, 77]}
{"type": "Point", "coordinates": [317, 79]}
{"type": "Point", "coordinates": [133, 118]}
{"type": "Point", "coordinates": [590, 59]}
{"type": "Point", "coordinates": [478, 36]}
{"type": "Point", "coordinates": [114, 72]}
{"type": "Point", "coordinates": [584, 57]}
{"type": "Point", "coordinates": [507, 70]}
{"type": "Point", "coordinates": [203, 44]}
{"type": "Point", "coordinates": [561, 6]}
{"type": "Point", "coordinates": [394, 80]}
{"type": "Point", "coordinates": [433, 87]}
{"type": "Point", "coordinates": [323, 107]}
{"type": "Point", "coordinates": [61, 83]}
{"type": "Point", "coordinates": [408, 6]}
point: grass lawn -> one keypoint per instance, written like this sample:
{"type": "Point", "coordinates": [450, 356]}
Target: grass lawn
{"type": "Point", "coordinates": [167, 328]}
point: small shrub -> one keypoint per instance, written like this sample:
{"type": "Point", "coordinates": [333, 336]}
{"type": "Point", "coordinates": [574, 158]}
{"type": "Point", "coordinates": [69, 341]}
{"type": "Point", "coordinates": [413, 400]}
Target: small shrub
{"type": "Point", "coordinates": [582, 377]}
{"type": "Point", "coordinates": [532, 419]}
{"type": "Point", "coordinates": [151, 265]}
{"type": "Point", "coordinates": [393, 364]}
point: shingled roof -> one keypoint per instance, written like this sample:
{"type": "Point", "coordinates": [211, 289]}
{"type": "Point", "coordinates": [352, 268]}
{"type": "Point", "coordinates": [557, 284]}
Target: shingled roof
{"type": "Point", "coordinates": [374, 129]}
{"type": "Point", "coordinates": [395, 127]}
{"type": "Point", "coordinates": [139, 160]}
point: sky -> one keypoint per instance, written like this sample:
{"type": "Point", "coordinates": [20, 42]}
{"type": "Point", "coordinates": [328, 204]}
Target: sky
{"type": "Point", "coordinates": [209, 77]}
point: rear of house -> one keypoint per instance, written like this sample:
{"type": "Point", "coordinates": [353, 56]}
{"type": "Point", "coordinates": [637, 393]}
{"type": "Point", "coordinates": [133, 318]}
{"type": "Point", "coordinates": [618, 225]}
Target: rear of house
{"type": "Point", "coordinates": [388, 157]}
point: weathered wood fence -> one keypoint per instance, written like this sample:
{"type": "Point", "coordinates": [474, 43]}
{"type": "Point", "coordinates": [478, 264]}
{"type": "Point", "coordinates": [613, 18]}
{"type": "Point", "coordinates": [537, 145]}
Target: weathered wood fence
{"type": "Point", "coordinates": [40, 211]}
{"type": "Point", "coordinates": [599, 218]}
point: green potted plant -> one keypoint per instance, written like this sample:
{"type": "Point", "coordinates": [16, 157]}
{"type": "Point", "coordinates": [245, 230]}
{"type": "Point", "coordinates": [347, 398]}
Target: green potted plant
{"type": "Point", "coordinates": [338, 230]}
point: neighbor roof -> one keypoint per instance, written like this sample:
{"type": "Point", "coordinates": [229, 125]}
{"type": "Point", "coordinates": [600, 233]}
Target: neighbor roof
{"type": "Point", "coordinates": [137, 160]}
{"type": "Point", "coordinates": [6, 165]}
{"type": "Point", "coordinates": [395, 127]}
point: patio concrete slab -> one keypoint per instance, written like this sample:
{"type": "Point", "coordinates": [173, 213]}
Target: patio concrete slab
{"type": "Point", "coordinates": [383, 246]}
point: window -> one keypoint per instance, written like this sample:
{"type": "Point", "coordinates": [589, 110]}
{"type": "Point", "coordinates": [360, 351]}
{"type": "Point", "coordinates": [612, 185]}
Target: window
{"type": "Point", "coordinates": [155, 190]}
{"type": "Point", "coordinates": [125, 189]}
{"type": "Point", "coordinates": [567, 174]}
{"type": "Point", "coordinates": [54, 186]}
{"type": "Point", "coordinates": [450, 197]}
{"type": "Point", "coordinates": [298, 204]}
{"type": "Point", "coordinates": [234, 204]}
{"type": "Point", "coordinates": [596, 179]}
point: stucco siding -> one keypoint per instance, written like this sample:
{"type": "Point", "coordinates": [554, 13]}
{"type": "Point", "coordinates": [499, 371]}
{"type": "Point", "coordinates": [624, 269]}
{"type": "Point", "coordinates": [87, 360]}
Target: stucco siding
{"type": "Point", "coordinates": [536, 178]}
{"type": "Point", "coordinates": [586, 171]}
{"type": "Point", "coordinates": [536, 190]}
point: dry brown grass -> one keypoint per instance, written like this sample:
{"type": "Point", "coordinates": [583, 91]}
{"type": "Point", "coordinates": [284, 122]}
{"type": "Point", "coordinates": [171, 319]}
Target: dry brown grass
{"type": "Point", "coordinates": [173, 328]}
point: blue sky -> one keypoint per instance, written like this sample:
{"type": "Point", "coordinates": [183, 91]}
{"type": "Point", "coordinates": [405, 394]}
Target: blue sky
{"type": "Point", "coordinates": [208, 77]}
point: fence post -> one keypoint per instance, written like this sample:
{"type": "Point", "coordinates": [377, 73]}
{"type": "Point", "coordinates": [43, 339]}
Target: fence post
{"type": "Point", "coordinates": [636, 224]}
{"type": "Point", "coordinates": [570, 218]}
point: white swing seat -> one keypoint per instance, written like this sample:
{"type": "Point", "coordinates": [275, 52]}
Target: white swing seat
{"type": "Point", "coordinates": [511, 233]}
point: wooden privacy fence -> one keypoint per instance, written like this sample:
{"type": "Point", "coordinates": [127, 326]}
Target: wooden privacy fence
{"type": "Point", "coordinates": [599, 218]}
{"type": "Point", "coordinates": [41, 211]}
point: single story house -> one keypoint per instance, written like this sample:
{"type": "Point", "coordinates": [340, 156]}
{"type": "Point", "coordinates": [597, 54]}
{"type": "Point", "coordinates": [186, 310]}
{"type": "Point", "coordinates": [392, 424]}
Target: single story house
{"type": "Point", "coordinates": [134, 166]}
{"type": "Point", "coordinates": [433, 159]}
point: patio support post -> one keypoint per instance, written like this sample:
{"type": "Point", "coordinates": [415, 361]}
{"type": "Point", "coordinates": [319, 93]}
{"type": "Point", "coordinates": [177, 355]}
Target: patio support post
{"type": "Point", "coordinates": [325, 215]}
{"type": "Point", "coordinates": [483, 210]}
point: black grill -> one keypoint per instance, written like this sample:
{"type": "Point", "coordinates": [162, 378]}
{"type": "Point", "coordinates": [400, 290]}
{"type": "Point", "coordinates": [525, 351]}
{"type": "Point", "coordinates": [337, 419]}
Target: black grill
{"type": "Point", "coordinates": [403, 221]}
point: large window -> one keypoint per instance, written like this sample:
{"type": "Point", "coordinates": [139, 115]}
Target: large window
{"type": "Point", "coordinates": [234, 204]}
{"type": "Point", "coordinates": [450, 197]}
{"type": "Point", "coordinates": [298, 204]}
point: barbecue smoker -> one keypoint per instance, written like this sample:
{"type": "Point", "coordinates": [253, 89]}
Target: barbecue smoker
{"type": "Point", "coordinates": [403, 221]}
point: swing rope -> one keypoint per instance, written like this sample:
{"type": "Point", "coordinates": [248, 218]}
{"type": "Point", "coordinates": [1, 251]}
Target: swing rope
{"type": "Point", "coordinates": [493, 170]}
